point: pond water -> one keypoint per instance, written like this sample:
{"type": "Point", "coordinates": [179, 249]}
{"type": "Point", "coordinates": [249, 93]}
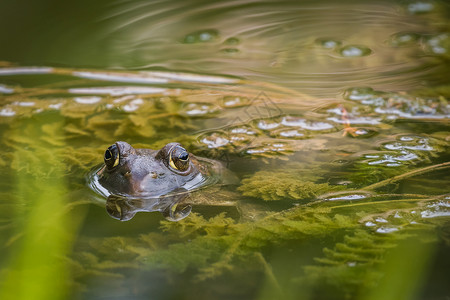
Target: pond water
{"type": "Point", "coordinates": [331, 117]}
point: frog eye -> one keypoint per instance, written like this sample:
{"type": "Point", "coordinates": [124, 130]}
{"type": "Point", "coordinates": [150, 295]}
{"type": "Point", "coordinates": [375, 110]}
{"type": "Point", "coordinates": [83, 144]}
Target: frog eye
{"type": "Point", "coordinates": [179, 159]}
{"type": "Point", "coordinates": [112, 157]}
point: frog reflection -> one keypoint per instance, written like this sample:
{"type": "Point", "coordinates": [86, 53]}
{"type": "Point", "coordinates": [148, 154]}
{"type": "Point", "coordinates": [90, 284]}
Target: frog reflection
{"type": "Point", "coordinates": [152, 180]}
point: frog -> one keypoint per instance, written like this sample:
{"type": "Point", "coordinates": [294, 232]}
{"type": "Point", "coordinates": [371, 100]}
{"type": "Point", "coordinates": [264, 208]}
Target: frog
{"type": "Point", "coordinates": [141, 179]}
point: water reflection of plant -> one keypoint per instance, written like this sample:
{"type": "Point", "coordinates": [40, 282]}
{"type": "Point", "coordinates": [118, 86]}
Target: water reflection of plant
{"type": "Point", "coordinates": [209, 249]}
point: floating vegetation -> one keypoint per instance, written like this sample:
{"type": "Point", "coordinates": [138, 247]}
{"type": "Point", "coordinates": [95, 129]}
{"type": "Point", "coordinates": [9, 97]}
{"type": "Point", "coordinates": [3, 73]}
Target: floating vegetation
{"type": "Point", "coordinates": [271, 186]}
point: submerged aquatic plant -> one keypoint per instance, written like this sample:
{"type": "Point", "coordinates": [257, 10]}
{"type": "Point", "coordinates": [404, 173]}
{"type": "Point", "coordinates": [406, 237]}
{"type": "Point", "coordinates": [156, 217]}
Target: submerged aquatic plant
{"type": "Point", "coordinates": [326, 193]}
{"type": "Point", "coordinates": [281, 185]}
{"type": "Point", "coordinates": [211, 248]}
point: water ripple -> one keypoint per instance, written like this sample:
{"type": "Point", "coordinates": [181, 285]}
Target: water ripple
{"type": "Point", "coordinates": [313, 47]}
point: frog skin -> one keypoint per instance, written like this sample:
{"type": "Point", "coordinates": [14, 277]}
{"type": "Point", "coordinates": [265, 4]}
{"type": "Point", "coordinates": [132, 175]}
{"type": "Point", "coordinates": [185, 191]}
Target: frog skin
{"type": "Point", "coordinates": [153, 180]}
{"type": "Point", "coordinates": [149, 173]}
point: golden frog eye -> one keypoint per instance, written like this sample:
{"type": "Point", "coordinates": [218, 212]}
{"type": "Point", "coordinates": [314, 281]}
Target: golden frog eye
{"type": "Point", "coordinates": [179, 159]}
{"type": "Point", "coordinates": [112, 157]}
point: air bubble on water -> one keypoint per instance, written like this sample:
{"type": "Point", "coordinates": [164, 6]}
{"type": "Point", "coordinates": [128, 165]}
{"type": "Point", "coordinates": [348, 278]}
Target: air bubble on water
{"type": "Point", "coordinates": [215, 140]}
{"type": "Point", "coordinates": [24, 103]}
{"type": "Point", "coordinates": [406, 138]}
{"type": "Point", "coordinates": [305, 124]}
{"type": "Point", "coordinates": [199, 110]}
{"type": "Point", "coordinates": [243, 130]}
{"type": "Point", "coordinates": [409, 107]}
{"type": "Point", "coordinates": [440, 204]}
{"type": "Point", "coordinates": [241, 134]}
{"type": "Point", "coordinates": [439, 44]}
{"type": "Point", "coordinates": [133, 105]}
{"type": "Point", "coordinates": [257, 150]}
{"type": "Point", "coordinates": [438, 209]}
{"type": "Point", "coordinates": [410, 143]}
{"type": "Point", "coordinates": [364, 132]}
{"type": "Point", "coordinates": [386, 229]}
{"type": "Point", "coordinates": [348, 197]}
{"type": "Point", "coordinates": [268, 148]}
{"type": "Point", "coordinates": [87, 100]}
{"type": "Point", "coordinates": [365, 95]}
{"type": "Point", "coordinates": [290, 133]}
{"type": "Point", "coordinates": [354, 51]}
{"type": "Point", "coordinates": [234, 101]}
{"type": "Point", "coordinates": [356, 120]}
{"type": "Point", "coordinates": [433, 214]}
{"type": "Point", "coordinates": [267, 124]}
{"type": "Point", "coordinates": [5, 90]}
{"type": "Point", "coordinates": [7, 112]}
{"type": "Point", "coordinates": [420, 7]}
{"type": "Point", "coordinates": [25, 71]}
{"type": "Point", "coordinates": [189, 77]}
{"type": "Point", "coordinates": [411, 114]}
{"type": "Point", "coordinates": [358, 94]}
{"type": "Point", "coordinates": [117, 90]}
{"type": "Point", "coordinates": [201, 36]}
{"type": "Point", "coordinates": [328, 43]}
{"type": "Point", "coordinates": [56, 106]}
{"type": "Point", "coordinates": [404, 39]}
{"type": "Point", "coordinates": [142, 77]}
{"type": "Point", "coordinates": [393, 159]}
{"type": "Point", "coordinates": [380, 220]}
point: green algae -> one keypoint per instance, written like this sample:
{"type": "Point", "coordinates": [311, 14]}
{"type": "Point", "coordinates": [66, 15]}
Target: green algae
{"type": "Point", "coordinates": [269, 186]}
